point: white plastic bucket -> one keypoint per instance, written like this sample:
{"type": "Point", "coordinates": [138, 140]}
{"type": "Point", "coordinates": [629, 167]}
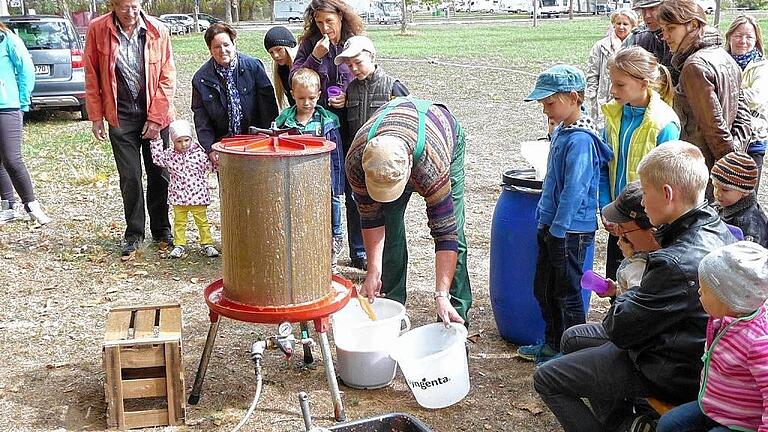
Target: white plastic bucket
{"type": "Point", "coordinates": [362, 345]}
{"type": "Point", "coordinates": [433, 359]}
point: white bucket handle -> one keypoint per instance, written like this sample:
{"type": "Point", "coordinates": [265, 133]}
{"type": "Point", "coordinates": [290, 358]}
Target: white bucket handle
{"type": "Point", "coordinates": [407, 322]}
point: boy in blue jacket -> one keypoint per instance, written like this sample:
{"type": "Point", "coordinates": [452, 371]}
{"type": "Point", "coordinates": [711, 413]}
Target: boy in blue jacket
{"type": "Point", "coordinates": [567, 210]}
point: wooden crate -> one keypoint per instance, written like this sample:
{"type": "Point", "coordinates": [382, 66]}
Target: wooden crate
{"type": "Point", "coordinates": [144, 370]}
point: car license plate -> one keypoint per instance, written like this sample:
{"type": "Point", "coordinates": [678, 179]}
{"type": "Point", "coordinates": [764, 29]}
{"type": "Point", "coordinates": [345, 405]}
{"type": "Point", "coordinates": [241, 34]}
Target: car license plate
{"type": "Point", "coordinates": [42, 69]}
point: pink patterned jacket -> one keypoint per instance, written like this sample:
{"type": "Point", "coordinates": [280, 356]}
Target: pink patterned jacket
{"type": "Point", "coordinates": [188, 183]}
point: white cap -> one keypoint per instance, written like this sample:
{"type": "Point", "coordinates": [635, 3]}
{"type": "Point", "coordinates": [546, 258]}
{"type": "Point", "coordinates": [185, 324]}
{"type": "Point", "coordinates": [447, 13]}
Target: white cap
{"type": "Point", "coordinates": [387, 166]}
{"type": "Point", "coordinates": [353, 47]}
{"type": "Point", "coordinates": [180, 128]}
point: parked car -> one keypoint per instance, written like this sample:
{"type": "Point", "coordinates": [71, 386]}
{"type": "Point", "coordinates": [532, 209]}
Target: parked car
{"type": "Point", "coordinates": [204, 16]}
{"type": "Point", "coordinates": [174, 26]}
{"type": "Point", "coordinates": [187, 20]}
{"type": "Point", "coordinates": [57, 53]}
{"type": "Point", "coordinates": [601, 9]}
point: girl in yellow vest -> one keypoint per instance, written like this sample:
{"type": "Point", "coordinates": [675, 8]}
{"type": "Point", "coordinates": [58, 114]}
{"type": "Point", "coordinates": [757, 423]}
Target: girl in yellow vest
{"type": "Point", "coordinates": [636, 121]}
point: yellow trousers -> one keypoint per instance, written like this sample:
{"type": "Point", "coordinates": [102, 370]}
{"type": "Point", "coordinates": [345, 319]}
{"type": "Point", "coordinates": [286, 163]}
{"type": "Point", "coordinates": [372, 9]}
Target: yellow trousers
{"type": "Point", "coordinates": [180, 219]}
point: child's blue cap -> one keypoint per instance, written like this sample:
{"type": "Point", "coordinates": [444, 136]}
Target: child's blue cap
{"type": "Point", "coordinates": [557, 79]}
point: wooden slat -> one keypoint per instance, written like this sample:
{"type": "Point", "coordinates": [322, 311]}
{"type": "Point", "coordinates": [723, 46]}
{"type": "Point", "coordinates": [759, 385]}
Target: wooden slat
{"type": "Point", "coordinates": [142, 356]}
{"type": "Point", "coordinates": [144, 388]}
{"type": "Point", "coordinates": [114, 388]}
{"type": "Point", "coordinates": [175, 384]}
{"type": "Point", "coordinates": [140, 307]}
{"type": "Point", "coordinates": [146, 418]}
{"type": "Point", "coordinates": [144, 323]}
{"type": "Point", "coordinates": [170, 322]}
{"type": "Point", "coordinates": [117, 325]}
{"type": "Point", "coordinates": [143, 341]}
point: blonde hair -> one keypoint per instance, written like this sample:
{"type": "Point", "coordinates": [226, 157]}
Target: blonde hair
{"type": "Point", "coordinates": [745, 19]}
{"type": "Point", "coordinates": [280, 92]}
{"type": "Point", "coordinates": [579, 96]}
{"type": "Point", "coordinates": [305, 77]}
{"type": "Point", "coordinates": [678, 164]}
{"type": "Point", "coordinates": [641, 64]}
{"type": "Point", "coordinates": [629, 13]}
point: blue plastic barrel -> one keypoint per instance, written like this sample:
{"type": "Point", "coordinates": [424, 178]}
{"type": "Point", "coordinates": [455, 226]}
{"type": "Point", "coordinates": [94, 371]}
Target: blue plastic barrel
{"type": "Point", "coordinates": [513, 260]}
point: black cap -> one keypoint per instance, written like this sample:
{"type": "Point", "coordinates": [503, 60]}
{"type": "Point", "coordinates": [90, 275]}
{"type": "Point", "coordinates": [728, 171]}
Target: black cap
{"type": "Point", "coordinates": [628, 207]}
{"type": "Point", "coordinates": [279, 36]}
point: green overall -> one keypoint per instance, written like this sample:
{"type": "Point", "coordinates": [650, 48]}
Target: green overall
{"type": "Point", "coordinates": [395, 259]}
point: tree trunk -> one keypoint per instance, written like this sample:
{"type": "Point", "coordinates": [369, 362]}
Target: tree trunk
{"type": "Point", "coordinates": [235, 11]}
{"type": "Point", "coordinates": [272, 11]}
{"type": "Point", "coordinates": [716, 22]}
{"type": "Point", "coordinates": [570, 9]}
{"type": "Point", "coordinates": [535, 12]}
{"type": "Point", "coordinates": [64, 8]}
{"type": "Point", "coordinates": [404, 19]}
{"type": "Point", "coordinates": [228, 11]}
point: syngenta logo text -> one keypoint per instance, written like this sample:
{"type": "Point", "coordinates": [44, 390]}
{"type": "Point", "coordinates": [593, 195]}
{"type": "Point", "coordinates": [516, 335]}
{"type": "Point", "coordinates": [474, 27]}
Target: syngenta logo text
{"type": "Point", "coordinates": [424, 384]}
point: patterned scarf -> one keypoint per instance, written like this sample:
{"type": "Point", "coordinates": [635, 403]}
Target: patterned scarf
{"type": "Point", "coordinates": [744, 59]}
{"type": "Point", "coordinates": [228, 73]}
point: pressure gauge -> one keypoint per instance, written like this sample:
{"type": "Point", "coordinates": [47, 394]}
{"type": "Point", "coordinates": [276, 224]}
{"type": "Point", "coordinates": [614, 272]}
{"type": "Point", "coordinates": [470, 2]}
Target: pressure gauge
{"type": "Point", "coordinates": [284, 329]}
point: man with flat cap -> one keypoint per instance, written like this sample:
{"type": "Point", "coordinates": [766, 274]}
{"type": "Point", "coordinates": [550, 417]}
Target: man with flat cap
{"type": "Point", "coordinates": [412, 145]}
{"type": "Point", "coordinates": [649, 36]}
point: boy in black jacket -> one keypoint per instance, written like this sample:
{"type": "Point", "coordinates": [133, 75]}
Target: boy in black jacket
{"type": "Point", "coordinates": [734, 178]}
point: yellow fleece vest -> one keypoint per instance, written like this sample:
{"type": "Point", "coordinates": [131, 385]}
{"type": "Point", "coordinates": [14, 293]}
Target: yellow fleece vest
{"type": "Point", "coordinates": [657, 115]}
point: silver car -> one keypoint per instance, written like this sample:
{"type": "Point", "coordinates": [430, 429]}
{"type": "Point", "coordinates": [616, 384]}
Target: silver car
{"type": "Point", "coordinates": [57, 53]}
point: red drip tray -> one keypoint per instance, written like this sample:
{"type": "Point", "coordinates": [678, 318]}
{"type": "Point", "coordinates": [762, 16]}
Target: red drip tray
{"type": "Point", "coordinates": [323, 307]}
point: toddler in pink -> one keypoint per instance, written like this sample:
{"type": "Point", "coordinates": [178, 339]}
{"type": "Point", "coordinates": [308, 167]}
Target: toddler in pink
{"type": "Point", "coordinates": [187, 165]}
{"type": "Point", "coordinates": [734, 381]}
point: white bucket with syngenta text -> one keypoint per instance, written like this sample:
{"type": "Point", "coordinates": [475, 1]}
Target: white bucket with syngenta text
{"type": "Point", "coordinates": [433, 359]}
{"type": "Point", "coordinates": [362, 345]}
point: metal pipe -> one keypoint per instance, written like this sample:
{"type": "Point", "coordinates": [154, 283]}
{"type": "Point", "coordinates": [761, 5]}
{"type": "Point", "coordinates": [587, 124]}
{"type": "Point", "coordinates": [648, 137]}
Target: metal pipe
{"type": "Point", "coordinates": [197, 388]}
{"type": "Point", "coordinates": [330, 375]}
{"type": "Point", "coordinates": [304, 404]}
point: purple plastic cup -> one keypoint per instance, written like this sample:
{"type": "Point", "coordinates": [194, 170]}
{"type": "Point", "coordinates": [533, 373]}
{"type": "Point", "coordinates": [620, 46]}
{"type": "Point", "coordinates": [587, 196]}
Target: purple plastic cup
{"type": "Point", "coordinates": [334, 91]}
{"type": "Point", "coordinates": [594, 282]}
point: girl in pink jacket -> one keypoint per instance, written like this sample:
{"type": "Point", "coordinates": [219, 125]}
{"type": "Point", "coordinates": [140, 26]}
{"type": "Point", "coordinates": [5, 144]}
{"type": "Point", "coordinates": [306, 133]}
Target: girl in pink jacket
{"type": "Point", "coordinates": [734, 381]}
{"type": "Point", "coordinates": [187, 164]}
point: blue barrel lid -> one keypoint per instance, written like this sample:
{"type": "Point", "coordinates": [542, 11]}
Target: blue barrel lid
{"type": "Point", "coordinates": [522, 178]}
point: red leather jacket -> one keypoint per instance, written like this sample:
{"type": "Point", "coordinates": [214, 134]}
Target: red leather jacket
{"type": "Point", "coordinates": [101, 48]}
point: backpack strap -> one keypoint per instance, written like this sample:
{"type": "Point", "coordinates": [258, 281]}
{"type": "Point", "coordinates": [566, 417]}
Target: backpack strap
{"type": "Point", "coordinates": [422, 106]}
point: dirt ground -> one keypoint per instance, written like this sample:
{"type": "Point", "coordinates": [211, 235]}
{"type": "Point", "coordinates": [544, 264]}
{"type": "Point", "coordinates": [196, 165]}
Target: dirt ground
{"type": "Point", "coordinates": [60, 280]}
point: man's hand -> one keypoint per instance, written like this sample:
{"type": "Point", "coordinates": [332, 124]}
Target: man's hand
{"type": "Point", "coordinates": [151, 130]}
{"type": "Point", "coordinates": [371, 286]}
{"type": "Point", "coordinates": [322, 47]}
{"type": "Point", "coordinates": [214, 157]}
{"type": "Point", "coordinates": [338, 101]}
{"type": "Point", "coordinates": [447, 312]}
{"type": "Point", "coordinates": [98, 130]}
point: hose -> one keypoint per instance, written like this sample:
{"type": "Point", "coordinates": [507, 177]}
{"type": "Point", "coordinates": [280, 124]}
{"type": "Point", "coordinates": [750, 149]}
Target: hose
{"type": "Point", "coordinates": [257, 352]}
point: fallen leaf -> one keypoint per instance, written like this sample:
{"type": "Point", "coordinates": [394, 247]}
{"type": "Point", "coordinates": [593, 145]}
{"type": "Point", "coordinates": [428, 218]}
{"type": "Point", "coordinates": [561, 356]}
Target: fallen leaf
{"type": "Point", "coordinates": [140, 273]}
{"type": "Point", "coordinates": [530, 406]}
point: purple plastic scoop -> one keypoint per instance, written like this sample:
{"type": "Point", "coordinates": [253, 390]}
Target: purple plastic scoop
{"type": "Point", "coordinates": [334, 91]}
{"type": "Point", "coordinates": [594, 282]}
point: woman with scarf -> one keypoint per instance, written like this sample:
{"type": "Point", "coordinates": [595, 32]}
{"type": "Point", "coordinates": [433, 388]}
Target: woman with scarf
{"type": "Point", "coordinates": [708, 98]}
{"type": "Point", "coordinates": [598, 79]}
{"type": "Point", "coordinates": [230, 92]}
{"type": "Point", "coordinates": [327, 26]}
{"type": "Point", "coordinates": [745, 44]}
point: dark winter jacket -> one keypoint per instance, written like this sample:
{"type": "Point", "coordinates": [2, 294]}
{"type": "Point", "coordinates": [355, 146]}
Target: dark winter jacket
{"type": "Point", "coordinates": [209, 100]}
{"type": "Point", "coordinates": [364, 97]}
{"type": "Point", "coordinates": [652, 42]}
{"type": "Point", "coordinates": [750, 217]}
{"type": "Point", "coordinates": [708, 98]}
{"type": "Point", "coordinates": [662, 323]}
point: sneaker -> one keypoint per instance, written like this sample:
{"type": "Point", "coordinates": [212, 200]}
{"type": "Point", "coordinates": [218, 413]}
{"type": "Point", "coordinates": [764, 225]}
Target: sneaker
{"type": "Point", "coordinates": [529, 352]}
{"type": "Point", "coordinates": [129, 250]}
{"type": "Point", "coordinates": [207, 250]}
{"type": "Point", "coordinates": [7, 216]}
{"type": "Point", "coordinates": [546, 355]}
{"type": "Point", "coordinates": [177, 252]}
{"type": "Point", "coordinates": [360, 263]}
{"type": "Point", "coordinates": [36, 212]}
{"type": "Point", "coordinates": [641, 423]}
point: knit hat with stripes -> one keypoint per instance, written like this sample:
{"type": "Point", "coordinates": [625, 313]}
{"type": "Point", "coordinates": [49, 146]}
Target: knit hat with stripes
{"type": "Point", "coordinates": [736, 170]}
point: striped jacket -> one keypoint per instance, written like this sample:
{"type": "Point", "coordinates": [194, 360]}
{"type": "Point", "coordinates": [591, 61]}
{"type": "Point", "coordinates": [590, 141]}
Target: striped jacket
{"type": "Point", "coordinates": [734, 381]}
{"type": "Point", "coordinates": [430, 176]}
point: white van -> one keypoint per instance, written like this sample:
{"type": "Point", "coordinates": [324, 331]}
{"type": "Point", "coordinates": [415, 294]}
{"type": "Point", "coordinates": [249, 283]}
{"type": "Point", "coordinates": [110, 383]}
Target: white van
{"type": "Point", "coordinates": [553, 7]}
{"type": "Point", "coordinates": [516, 6]}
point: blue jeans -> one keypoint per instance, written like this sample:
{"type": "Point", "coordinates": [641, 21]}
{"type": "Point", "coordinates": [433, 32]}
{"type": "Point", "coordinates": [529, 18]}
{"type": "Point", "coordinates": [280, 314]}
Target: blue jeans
{"type": "Point", "coordinates": [688, 418]}
{"type": "Point", "coordinates": [336, 229]}
{"type": "Point", "coordinates": [557, 284]}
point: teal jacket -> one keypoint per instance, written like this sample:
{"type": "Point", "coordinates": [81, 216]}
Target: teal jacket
{"type": "Point", "coordinates": [17, 73]}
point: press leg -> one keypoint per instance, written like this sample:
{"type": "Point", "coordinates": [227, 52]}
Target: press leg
{"type": "Point", "coordinates": [330, 375]}
{"type": "Point", "coordinates": [194, 396]}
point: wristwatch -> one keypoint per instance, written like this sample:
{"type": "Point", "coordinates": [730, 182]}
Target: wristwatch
{"type": "Point", "coordinates": [445, 294]}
